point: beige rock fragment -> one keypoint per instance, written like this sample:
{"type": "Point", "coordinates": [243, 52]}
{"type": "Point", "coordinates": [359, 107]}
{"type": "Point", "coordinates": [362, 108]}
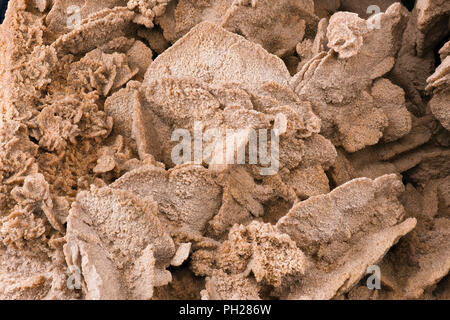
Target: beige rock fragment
{"type": "Point", "coordinates": [118, 243]}
{"type": "Point", "coordinates": [147, 10]}
{"type": "Point", "coordinates": [139, 57]}
{"type": "Point", "coordinates": [256, 104]}
{"type": "Point", "coordinates": [181, 255]}
{"type": "Point", "coordinates": [63, 14]}
{"type": "Point", "coordinates": [342, 237]}
{"type": "Point", "coordinates": [21, 227]}
{"type": "Point", "coordinates": [389, 97]}
{"type": "Point", "coordinates": [229, 214]}
{"type": "Point", "coordinates": [220, 109]}
{"type": "Point", "coordinates": [386, 157]}
{"type": "Point", "coordinates": [445, 51]}
{"type": "Point", "coordinates": [257, 250]}
{"type": "Point", "coordinates": [309, 178]}
{"type": "Point", "coordinates": [426, 28]}
{"type": "Point", "coordinates": [88, 209]}
{"type": "Point", "coordinates": [17, 152]}
{"type": "Point", "coordinates": [118, 157]}
{"type": "Point", "coordinates": [23, 58]}
{"type": "Point", "coordinates": [439, 84]}
{"type": "Point", "coordinates": [62, 121]}
{"type": "Point", "coordinates": [261, 249]}
{"type": "Point", "coordinates": [98, 29]}
{"type": "Point", "coordinates": [35, 195]}
{"type": "Point", "coordinates": [105, 72]}
{"type": "Point", "coordinates": [307, 49]}
{"type": "Point", "coordinates": [238, 180]}
{"type": "Point", "coordinates": [346, 33]}
{"type": "Point", "coordinates": [187, 196]}
{"type": "Point", "coordinates": [133, 121]}
{"type": "Point", "coordinates": [351, 116]}
{"type": "Point", "coordinates": [432, 266]}
{"type": "Point", "coordinates": [177, 103]}
{"type": "Point", "coordinates": [253, 104]}
{"type": "Point", "coordinates": [418, 165]}
{"type": "Point", "coordinates": [244, 199]}
{"type": "Point", "coordinates": [31, 275]}
{"type": "Point", "coordinates": [219, 57]}
{"type": "Point", "coordinates": [308, 181]}
{"type": "Point", "coordinates": [67, 129]}
{"type": "Point", "coordinates": [285, 23]}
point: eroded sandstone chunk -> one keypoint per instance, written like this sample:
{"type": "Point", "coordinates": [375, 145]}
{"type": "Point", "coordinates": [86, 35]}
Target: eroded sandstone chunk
{"type": "Point", "coordinates": [439, 83]}
{"type": "Point", "coordinates": [230, 287]}
{"type": "Point", "coordinates": [217, 56]}
{"type": "Point", "coordinates": [118, 243]}
{"type": "Point", "coordinates": [64, 15]}
{"type": "Point", "coordinates": [102, 26]}
{"type": "Point", "coordinates": [412, 153]}
{"type": "Point", "coordinates": [187, 196]}
{"type": "Point", "coordinates": [341, 238]}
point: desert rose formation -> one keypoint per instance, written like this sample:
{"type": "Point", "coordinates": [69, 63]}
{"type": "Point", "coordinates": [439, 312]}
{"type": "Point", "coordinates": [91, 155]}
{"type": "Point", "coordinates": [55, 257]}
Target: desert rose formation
{"type": "Point", "coordinates": [225, 149]}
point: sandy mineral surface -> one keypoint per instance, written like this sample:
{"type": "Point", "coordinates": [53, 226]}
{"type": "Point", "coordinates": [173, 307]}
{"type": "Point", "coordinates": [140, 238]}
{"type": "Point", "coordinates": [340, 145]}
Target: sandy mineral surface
{"type": "Point", "coordinates": [352, 99]}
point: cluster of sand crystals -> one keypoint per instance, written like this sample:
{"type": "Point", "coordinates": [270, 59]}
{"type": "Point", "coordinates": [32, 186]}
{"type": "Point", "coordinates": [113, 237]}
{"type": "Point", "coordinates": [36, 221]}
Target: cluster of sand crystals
{"type": "Point", "coordinates": [93, 205]}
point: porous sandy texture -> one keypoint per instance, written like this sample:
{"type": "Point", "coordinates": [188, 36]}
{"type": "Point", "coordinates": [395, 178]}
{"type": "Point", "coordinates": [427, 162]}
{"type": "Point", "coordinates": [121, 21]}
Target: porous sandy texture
{"type": "Point", "coordinates": [354, 102]}
{"type": "Point", "coordinates": [94, 205]}
{"type": "Point", "coordinates": [439, 83]}
{"type": "Point", "coordinates": [345, 232]}
{"type": "Point", "coordinates": [253, 256]}
{"type": "Point", "coordinates": [276, 25]}
{"type": "Point", "coordinates": [118, 243]}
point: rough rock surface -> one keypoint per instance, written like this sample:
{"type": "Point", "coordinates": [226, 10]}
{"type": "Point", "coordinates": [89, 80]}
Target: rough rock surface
{"type": "Point", "coordinates": [343, 237]}
{"type": "Point", "coordinates": [347, 99]}
{"type": "Point", "coordinates": [277, 26]}
{"type": "Point", "coordinates": [224, 149]}
{"type": "Point", "coordinates": [118, 244]}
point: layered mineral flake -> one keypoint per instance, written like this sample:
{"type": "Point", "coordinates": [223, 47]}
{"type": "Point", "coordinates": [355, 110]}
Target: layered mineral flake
{"type": "Point", "coordinates": [225, 149]}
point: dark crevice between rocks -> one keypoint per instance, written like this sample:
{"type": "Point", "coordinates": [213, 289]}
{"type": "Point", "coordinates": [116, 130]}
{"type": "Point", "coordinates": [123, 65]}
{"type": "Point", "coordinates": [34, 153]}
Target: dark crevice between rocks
{"type": "Point", "coordinates": [437, 57]}
{"type": "Point", "coordinates": [185, 285]}
{"type": "Point", "coordinates": [3, 6]}
{"type": "Point", "coordinates": [275, 209]}
{"type": "Point", "coordinates": [333, 185]}
{"type": "Point", "coordinates": [409, 4]}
